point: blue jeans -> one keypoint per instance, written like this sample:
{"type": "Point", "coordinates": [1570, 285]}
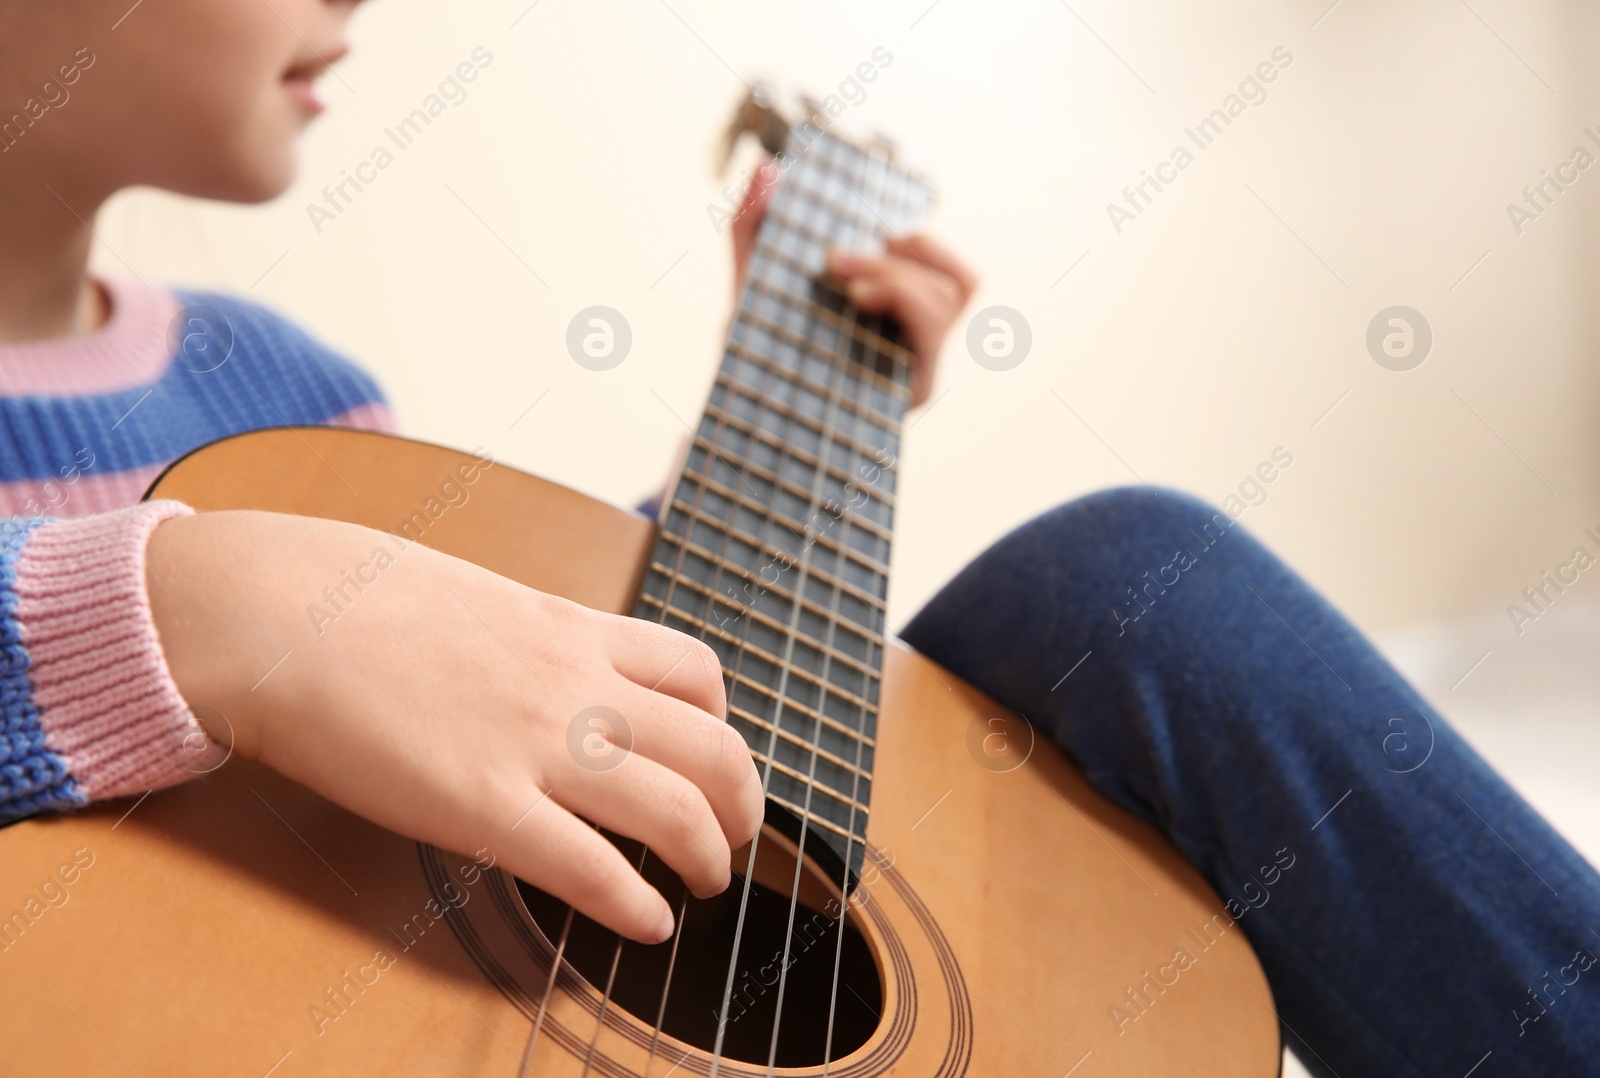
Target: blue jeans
{"type": "Point", "coordinates": [1430, 921]}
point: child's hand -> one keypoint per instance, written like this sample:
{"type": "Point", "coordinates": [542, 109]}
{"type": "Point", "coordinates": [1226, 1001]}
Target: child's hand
{"type": "Point", "coordinates": [918, 280]}
{"type": "Point", "coordinates": [443, 703]}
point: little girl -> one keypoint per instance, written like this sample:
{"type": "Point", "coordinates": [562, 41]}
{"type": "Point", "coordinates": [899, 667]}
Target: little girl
{"type": "Point", "coordinates": [132, 629]}
{"type": "Point", "coordinates": [1231, 706]}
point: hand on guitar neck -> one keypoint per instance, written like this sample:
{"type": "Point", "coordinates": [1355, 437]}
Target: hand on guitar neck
{"type": "Point", "coordinates": [917, 280]}
{"type": "Point", "coordinates": [442, 703]}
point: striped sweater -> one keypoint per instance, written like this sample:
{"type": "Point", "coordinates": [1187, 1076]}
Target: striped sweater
{"type": "Point", "coordinates": [86, 423]}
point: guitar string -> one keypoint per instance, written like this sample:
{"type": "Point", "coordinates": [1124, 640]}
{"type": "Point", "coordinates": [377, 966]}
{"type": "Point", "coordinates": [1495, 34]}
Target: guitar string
{"type": "Point", "coordinates": [840, 367]}
{"type": "Point", "coordinates": [544, 1000]}
{"type": "Point", "coordinates": [766, 784]}
{"type": "Point", "coordinates": [616, 958]}
{"type": "Point", "coordinates": [666, 985]}
{"type": "Point", "coordinates": [806, 815]}
{"type": "Point", "coordinates": [877, 178]}
{"type": "Point", "coordinates": [830, 428]}
{"type": "Point", "coordinates": [844, 876]}
{"type": "Point", "coordinates": [890, 176]}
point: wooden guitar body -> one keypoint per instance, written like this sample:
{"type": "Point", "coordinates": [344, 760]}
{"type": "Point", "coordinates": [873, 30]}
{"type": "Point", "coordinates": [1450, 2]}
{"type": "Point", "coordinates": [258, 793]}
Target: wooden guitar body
{"type": "Point", "coordinates": [241, 925]}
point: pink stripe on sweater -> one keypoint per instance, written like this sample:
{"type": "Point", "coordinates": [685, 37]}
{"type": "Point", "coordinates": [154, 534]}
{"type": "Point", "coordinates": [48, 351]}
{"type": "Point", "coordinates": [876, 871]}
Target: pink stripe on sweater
{"type": "Point", "coordinates": [375, 416]}
{"type": "Point", "coordinates": [131, 349]}
{"type": "Point", "coordinates": [106, 700]}
{"type": "Point", "coordinates": [91, 493]}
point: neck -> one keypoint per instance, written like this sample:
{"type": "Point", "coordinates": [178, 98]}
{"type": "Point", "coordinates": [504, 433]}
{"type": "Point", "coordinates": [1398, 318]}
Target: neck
{"type": "Point", "coordinates": [45, 288]}
{"type": "Point", "coordinates": [774, 546]}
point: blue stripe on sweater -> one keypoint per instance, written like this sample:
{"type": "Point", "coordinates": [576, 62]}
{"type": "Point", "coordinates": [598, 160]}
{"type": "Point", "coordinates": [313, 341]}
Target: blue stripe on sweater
{"type": "Point", "coordinates": [32, 778]}
{"type": "Point", "coordinates": [276, 374]}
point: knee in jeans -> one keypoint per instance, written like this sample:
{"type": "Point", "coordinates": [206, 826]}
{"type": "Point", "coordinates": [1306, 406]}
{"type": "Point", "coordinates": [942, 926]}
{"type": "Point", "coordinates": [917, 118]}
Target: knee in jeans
{"type": "Point", "coordinates": [1139, 517]}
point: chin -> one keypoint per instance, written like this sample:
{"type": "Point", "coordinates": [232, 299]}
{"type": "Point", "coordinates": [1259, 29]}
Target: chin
{"type": "Point", "coordinates": [258, 175]}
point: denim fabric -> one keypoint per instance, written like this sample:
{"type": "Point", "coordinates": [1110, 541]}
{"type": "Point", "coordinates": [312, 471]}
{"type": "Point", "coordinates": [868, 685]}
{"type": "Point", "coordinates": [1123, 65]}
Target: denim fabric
{"type": "Point", "coordinates": [1430, 920]}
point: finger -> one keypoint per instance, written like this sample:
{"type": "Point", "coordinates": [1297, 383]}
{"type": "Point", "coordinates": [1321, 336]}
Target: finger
{"type": "Point", "coordinates": [939, 259]}
{"type": "Point", "coordinates": [923, 307]}
{"type": "Point", "coordinates": [641, 799]}
{"type": "Point", "coordinates": [754, 207]}
{"type": "Point", "coordinates": [913, 292]}
{"type": "Point", "coordinates": [706, 751]}
{"type": "Point", "coordinates": [666, 661]}
{"type": "Point", "coordinates": [907, 291]}
{"type": "Point", "coordinates": [922, 379]}
{"type": "Point", "coordinates": [563, 856]}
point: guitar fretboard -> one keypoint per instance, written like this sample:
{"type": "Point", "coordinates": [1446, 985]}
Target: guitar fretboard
{"type": "Point", "coordinates": [774, 546]}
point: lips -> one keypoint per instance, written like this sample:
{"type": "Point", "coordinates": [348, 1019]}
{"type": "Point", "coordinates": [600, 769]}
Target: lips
{"type": "Point", "coordinates": [300, 79]}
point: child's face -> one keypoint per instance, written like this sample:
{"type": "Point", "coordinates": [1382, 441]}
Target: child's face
{"type": "Point", "coordinates": [201, 97]}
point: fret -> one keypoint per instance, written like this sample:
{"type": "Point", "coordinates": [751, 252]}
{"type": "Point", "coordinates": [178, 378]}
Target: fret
{"type": "Point", "coordinates": [835, 700]}
{"type": "Point", "coordinates": [856, 608]}
{"type": "Point", "coordinates": [776, 432]}
{"type": "Point", "coordinates": [751, 555]}
{"type": "Point", "coordinates": [808, 442]}
{"type": "Point", "coordinates": [773, 470]}
{"type": "Point", "coordinates": [774, 304]}
{"type": "Point", "coordinates": [769, 473]}
{"type": "Point", "coordinates": [833, 774]}
{"type": "Point", "coordinates": [778, 353]}
{"type": "Point", "coordinates": [858, 652]}
{"type": "Point", "coordinates": [779, 278]}
{"type": "Point", "coordinates": [872, 353]}
{"type": "Point", "coordinates": [759, 447]}
{"type": "Point", "coordinates": [776, 479]}
{"type": "Point", "coordinates": [794, 805]}
{"type": "Point", "coordinates": [864, 428]}
{"type": "Point", "coordinates": [730, 498]}
{"type": "Point", "coordinates": [787, 594]}
{"type": "Point", "coordinates": [771, 319]}
{"type": "Point", "coordinates": [789, 780]}
{"type": "Point", "coordinates": [851, 693]}
{"type": "Point", "coordinates": [789, 369]}
{"type": "Point", "coordinates": [758, 705]}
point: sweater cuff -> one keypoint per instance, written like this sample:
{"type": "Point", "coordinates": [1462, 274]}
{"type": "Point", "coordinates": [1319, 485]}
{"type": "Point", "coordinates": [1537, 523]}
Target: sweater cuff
{"type": "Point", "coordinates": [105, 699]}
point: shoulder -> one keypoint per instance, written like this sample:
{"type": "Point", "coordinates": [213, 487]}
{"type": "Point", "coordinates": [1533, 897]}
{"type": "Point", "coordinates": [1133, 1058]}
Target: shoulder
{"type": "Point", "coordinates": [216, 330]}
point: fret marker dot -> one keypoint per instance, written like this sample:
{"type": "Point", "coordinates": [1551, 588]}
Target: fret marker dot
{"type": "Point", "coordinates": [999, 338]}
{"type": "Point", "coordinates": [598, 338]}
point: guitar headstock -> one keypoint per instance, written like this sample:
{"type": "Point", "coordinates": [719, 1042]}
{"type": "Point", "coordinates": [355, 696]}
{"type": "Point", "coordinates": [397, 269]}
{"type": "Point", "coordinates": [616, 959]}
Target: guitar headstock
{"type": "Point", "coordinates": [777, 123]}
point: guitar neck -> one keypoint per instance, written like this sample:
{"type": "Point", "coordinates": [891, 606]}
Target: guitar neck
{"type": "Point", "coordinates": [774, 547]}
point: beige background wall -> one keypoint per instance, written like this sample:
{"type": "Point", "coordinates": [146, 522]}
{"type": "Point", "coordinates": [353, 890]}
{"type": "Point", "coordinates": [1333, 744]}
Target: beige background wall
{"type": "Point", "coordinates": [1220, 324]}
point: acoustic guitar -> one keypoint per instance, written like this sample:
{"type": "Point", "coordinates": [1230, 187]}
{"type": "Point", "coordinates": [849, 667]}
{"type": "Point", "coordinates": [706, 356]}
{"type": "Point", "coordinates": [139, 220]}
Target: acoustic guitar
{"type": "Point", "coordinates": [936, 892]}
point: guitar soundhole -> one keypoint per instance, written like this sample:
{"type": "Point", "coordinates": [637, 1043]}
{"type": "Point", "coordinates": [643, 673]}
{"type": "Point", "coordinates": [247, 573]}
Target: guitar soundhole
{"type": "Point", "coordinates": [700, 974]}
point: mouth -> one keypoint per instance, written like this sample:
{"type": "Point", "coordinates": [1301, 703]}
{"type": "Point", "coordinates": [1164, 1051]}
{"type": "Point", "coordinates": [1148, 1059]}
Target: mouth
{"type": "Point", "coordinates": [300, 78]}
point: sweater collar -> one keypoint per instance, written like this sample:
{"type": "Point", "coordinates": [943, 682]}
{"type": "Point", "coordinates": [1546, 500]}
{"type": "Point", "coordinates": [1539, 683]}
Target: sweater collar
{"type": "Point", "coordinates": [131, 349]}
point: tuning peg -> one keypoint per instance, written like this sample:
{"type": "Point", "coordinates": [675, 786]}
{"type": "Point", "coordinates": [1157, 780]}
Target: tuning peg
{"type": "Point", "coordinates": [755, 115]}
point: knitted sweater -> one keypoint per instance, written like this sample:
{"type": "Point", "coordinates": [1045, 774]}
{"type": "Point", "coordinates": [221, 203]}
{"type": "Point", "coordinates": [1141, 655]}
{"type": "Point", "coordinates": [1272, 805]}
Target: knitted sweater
{"type": "Point", "coordinates": [86, 423]}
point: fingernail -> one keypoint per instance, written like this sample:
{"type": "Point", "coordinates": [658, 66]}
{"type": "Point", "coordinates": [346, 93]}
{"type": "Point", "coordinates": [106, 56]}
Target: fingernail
{"type": "Point", "coordinates": [842, 261]}
{"type": "Point", "coordinates": [858, 290]}
{"type": "Point", "coordinates": [664, 929]}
